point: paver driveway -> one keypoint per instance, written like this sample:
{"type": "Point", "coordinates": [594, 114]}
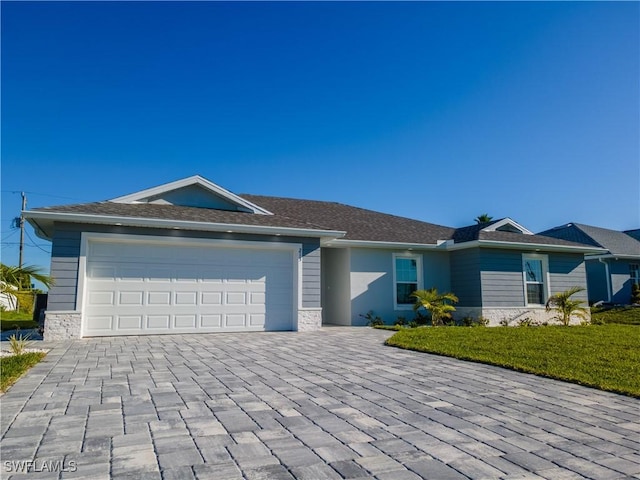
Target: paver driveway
{"type": "Point", "coordinates": [322, 405]}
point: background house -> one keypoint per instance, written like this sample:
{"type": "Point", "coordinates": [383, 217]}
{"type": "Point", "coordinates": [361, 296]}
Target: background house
{"type": "Point", "coordinates": [610, 274]}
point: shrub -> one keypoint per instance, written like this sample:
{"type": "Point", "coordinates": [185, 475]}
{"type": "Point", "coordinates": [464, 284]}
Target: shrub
{"type": "Point", "coordinates": [19, 343]}
{"type": "Point", "coordinates": [401, 322]}
{"type": "Point", "coordinates": [438, 304]}
{"type": "Point", "coordinates": [635, 293]}
{"type": "Point", "coordinates": [373, 320]}
{"type": "Point", "coordinates": [565, 307]}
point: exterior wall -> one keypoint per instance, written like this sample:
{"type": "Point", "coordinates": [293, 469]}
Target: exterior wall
{"type": "Point", "coordinates": [566, 271]}
{"type": "Point", "coordinates": [502, 284]}
{"type": "Point", "coordinates": [65, 256]}
{"type": "Point", "coordinates": [372, 285]}
{"type": "Point", "coordinates": [620, 281]}
{"type": "Point", "coordinates": [62, 325]}
{"type": "Point", "coordinates": [465, 277]}
{"type": "Point", "coordinates": [336, 286]}
{"type": "Point", "coordinates": [597, 281]}
{"type": "Point", "coordinates": [193, 196]}
{"type": "Point", "coordinates": [501, 278]}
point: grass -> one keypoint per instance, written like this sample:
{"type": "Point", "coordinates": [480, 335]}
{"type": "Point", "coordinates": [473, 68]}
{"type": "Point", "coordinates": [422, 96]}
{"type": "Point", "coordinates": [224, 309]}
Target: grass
{"type": "Point", "coordinates": [621, 315]}
{"type": "Point", "coordinates": [12, 368]}
{"type": "Point", "coordinates": [605, 357]}
{"type": "Point", "coordinates": [13, 320]}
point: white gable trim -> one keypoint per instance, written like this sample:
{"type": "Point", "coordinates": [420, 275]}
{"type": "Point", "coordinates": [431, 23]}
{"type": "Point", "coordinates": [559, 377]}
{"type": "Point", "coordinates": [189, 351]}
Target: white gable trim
{"type": "Point", "coordinates": [137, 197]}
{"type": "Point", "coordinates": [507, 221]}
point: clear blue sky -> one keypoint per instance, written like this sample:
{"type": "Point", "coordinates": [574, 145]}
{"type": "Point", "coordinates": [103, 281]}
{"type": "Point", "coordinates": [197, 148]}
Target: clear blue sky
{"type": "Point", "coordinates": [439, 111]}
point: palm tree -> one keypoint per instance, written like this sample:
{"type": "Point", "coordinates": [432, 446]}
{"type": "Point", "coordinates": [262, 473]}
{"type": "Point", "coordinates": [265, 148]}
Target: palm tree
{"type": "Point", "coordinates": [18, 280]}
{"type": "Point", "coordinates": [436, 303]}
{"type": "Point", "coordinates": [484, 218]}
{"type": "Point", "coordinates": [565, 307]}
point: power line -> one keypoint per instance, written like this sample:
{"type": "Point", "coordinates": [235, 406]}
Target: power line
{"type": "Point", "coordinates": [34, 243]}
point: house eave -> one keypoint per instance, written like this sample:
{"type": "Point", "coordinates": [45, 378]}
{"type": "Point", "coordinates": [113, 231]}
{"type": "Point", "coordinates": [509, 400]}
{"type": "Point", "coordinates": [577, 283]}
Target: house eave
{"type": "Point", "coordinates": [542, 247]}
{"type": "Point", "coordinates": [40, 221]}
{"type": "Point", "coordinates": [344, 243]}
{"type": "Point", "coordinates": [612, 256]}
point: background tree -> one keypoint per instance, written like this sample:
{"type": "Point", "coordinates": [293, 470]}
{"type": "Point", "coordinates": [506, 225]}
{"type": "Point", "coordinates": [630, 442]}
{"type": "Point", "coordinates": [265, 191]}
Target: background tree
{"type": "Point", "coordinates": [17, 280]}
{"type": "Point", "coordinates": [565, 307]}
{"type": "Point", "coordinates": [484, 218]}
{"type": "Point", "coordinates": [439, 304]}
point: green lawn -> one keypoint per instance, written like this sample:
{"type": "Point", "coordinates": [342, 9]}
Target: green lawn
{"type": "Point", "coordinates": [11, 320]}
{"type": "Point", "coordinates": [605, 357]}
{"type": "Point", "coordinates": [623, 315]}
{"type": "Point", "coordinates": [12, 368]}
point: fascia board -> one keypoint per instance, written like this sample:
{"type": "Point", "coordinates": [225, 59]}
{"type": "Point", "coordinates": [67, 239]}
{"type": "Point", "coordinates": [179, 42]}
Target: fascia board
{"type": "Point", "coordinates": [612, 255]}
{"type": "Point", "coordinates": [524, 246]}
{"type": "Point", "coordinates": [185, 182]}
{"type": "Point", "coordinates": [342, 243]}
{"type": "Point", "coordinates": [180, 224]}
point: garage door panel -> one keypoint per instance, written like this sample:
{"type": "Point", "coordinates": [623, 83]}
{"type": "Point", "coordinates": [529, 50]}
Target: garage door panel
{"type": "Point", "coordinates": [138, 289]}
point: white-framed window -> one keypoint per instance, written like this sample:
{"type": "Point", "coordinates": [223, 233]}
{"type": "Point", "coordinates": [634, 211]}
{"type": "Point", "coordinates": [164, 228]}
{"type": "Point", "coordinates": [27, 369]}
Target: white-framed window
{"type": "Point", "coordinates": [634, 273]}
{"type": "Point", "coordinates": [534, 270]}
{"type": "Point", "coordinates": [407, 278]}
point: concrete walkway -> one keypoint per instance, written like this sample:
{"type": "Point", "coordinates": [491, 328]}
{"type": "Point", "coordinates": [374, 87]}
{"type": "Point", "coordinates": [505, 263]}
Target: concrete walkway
{"type": "Point", "coordinates": [323, 405]}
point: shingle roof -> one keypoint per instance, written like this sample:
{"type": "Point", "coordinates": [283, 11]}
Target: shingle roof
{"type": "Point", "coordinates": [476, 232]}
{"type": "Point", "coordinates": [179, 213]}
{"type": "Point", "coordinates": [359, 223]}
{"type": "Point", "coordinates": [618, 243]}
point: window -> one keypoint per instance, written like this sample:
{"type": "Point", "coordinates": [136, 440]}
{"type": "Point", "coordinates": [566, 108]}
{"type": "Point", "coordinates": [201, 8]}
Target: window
{"type": "Point", "coordinates": [406, 274]}
{"type": "Point", "coordinates": [634, 273]}
{"type": "Point", "coordinates": [535, 268]}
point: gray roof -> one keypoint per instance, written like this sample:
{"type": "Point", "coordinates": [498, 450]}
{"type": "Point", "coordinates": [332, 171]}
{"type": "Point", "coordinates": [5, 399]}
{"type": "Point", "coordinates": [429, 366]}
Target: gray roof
{"type": "Point", "coordinates": [358, 223]}
{"type": "Point", "coordinates": [476, 232]}
{"type": "Point", "coordinates": [617, 243]}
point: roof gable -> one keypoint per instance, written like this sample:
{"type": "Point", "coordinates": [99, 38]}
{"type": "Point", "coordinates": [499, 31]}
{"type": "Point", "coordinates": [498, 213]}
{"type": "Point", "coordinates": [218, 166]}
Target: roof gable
{"type": "Point", "coordinates": [194, 191]}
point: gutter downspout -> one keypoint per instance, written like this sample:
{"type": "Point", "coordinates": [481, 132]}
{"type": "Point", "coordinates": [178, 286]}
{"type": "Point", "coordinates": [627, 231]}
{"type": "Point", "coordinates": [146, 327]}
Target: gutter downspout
{"type": "Point", "coordinates": [606, 271]}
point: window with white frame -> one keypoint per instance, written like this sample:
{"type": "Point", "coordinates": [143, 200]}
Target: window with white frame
{"type": "Point", "coordinates": [406, 279]}
{"type": "Point", "coordinates": [634, 273]}
{"type": "Point", "coordinates": [535, 274]}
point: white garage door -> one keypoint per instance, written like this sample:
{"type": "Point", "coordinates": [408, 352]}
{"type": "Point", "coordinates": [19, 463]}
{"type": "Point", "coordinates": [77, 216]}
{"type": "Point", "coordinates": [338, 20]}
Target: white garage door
{"type": "Point", "coordinates": [137, 289]}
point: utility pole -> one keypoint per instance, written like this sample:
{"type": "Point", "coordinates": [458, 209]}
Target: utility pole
{"type": "Point", "coordinates": [24, 207]}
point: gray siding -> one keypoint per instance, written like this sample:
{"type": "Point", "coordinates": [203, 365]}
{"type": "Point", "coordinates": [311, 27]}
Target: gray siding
{"type": "Point", "coordinates": [501, 278]}
{"type": "Point", "coordinates": [465, 277]}
{"type": "Point", "coordinates": [65, 253]}
{"type": "Point", "coordinates": [597, 281]}
{"type": "Point", "coordinates": [567, 271]}
{"type": "Point", "coordinates": [620, 280]}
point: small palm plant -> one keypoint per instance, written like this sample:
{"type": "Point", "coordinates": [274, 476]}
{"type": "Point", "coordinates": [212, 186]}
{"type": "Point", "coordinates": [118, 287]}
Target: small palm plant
{"type": "Point", "coordinates": [565, 307]}
{"type": "Point", "coordinates": [439, 304]}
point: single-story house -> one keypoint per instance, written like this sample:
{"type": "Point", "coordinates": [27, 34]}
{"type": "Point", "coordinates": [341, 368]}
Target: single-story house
{"type": "Point", "coordinates": [610, 273]}
{"type": "Point", "coordinates": [190, 256]}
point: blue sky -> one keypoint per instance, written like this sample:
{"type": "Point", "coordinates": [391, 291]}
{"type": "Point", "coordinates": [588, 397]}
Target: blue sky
{"type": "Point", "coordinates": [438, 111]}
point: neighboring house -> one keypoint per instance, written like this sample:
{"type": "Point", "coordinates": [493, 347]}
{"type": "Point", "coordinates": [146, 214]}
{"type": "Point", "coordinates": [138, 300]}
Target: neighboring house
{"type": "Point", "coordinates": [190, 256]}
{"type": "Point", "coordinates": [611, 273]}
{"type": "Point", "coordinates": [634, 233]}
{"type": "Point", "coordinates": [8, 301]}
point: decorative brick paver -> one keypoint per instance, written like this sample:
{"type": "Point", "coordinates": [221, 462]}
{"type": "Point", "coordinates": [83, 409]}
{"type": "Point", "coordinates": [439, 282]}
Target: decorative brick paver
{"type": "Point", "coordinates": [329, 404]}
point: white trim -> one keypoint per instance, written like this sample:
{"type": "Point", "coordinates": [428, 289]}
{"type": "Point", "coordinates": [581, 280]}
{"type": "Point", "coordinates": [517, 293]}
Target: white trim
{"type": "Point", "coordinates": [613, 256]}
{"type": "Point", "coordinates": [419, 277]}
{"type": "Point", "coordinates": [340, 243]}
{"type": "Point", "coordinates": [137, 197]}
{"type": "Point", "coordinates": [507, 221]}
{"type": "Point", "coordinates": [86, 237]}
{"type": "Point", "coordinates": [545, 278]}
{"type": "Point", "coordinates": [180, 224]}
{"type": "Point", "coordinates": [543, 247]}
